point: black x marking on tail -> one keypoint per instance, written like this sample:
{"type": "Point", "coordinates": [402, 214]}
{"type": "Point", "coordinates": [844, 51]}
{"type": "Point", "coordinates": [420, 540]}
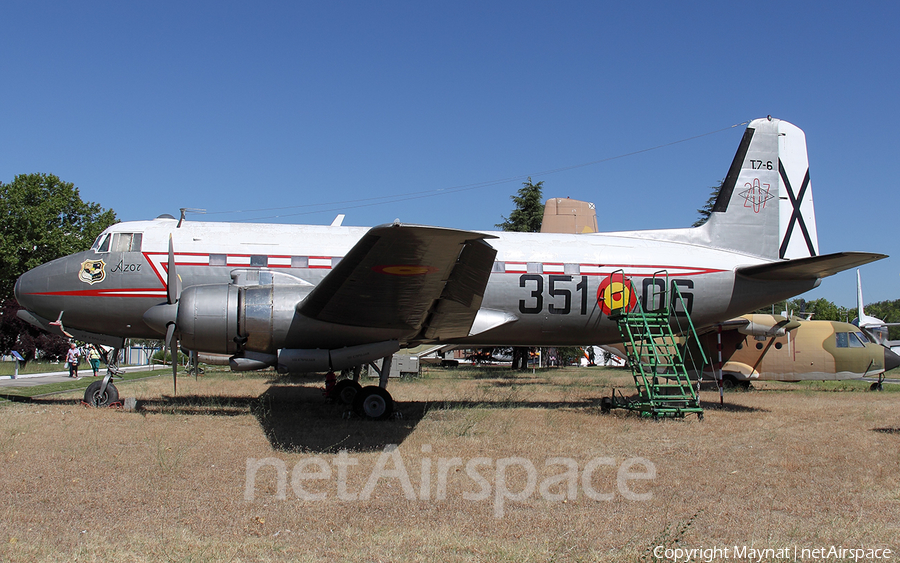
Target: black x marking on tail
{"type": "Point", "coordinates": [796, 216]}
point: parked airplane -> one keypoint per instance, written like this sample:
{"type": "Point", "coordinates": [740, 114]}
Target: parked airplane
{"type": "Point", "coordinates": [307, 298]}
{"type": "Point", "coordinates": [876, 328]}
{"type": "Point", "coordinates": [778, 348]}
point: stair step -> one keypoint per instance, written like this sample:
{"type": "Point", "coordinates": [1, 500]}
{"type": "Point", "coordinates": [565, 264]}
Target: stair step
{"type": "Point", "coordinates": [651, 347]}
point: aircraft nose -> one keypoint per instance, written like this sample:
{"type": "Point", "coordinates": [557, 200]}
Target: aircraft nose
{"type": "Point", "coordinates": [891, 360]}
{"type": "Point", "coordinates": [22, 289]}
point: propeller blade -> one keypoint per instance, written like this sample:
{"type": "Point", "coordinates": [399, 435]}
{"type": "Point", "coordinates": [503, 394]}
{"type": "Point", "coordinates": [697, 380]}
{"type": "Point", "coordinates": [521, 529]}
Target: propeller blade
{"type": "Point", "coordinates": [173, 282]}
{"type": "Point", "coordinates": [172, 344]}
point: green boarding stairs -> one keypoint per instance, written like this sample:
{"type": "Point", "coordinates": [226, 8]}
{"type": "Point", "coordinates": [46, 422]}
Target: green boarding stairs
{"type": "Point", "coordinates": [655, 349]}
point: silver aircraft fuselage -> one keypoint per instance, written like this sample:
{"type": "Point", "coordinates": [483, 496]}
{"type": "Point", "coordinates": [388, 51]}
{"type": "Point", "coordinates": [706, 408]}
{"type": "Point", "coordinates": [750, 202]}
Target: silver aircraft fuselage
{"type": "Point", "coordinates": [543, 289]}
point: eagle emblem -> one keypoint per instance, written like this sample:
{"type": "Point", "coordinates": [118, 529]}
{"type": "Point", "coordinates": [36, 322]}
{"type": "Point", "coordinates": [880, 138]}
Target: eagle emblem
{"type": "Point", "coordinates": [92, 271]}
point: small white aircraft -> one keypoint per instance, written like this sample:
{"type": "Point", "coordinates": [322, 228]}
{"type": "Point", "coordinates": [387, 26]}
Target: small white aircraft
{"type": "Point", "coordinates": [877, 328]}
{"type": "Point", "coordinates": [309, 298]}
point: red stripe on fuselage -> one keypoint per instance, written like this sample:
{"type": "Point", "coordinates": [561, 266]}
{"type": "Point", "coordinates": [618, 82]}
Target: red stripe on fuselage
{"type": "Point", "coordinates": [135, 292]}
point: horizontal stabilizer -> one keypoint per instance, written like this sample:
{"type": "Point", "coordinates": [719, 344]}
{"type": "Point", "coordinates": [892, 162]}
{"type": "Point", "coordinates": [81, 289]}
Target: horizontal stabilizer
{"type": "Point", "coordinates": [809, 268]}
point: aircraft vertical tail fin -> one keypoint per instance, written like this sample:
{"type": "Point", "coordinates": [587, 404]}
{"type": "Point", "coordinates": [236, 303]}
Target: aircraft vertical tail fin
{"type": "Point", "coordinates": [860, 314]}
{"type": "Point", "coordinates": [765, 206]}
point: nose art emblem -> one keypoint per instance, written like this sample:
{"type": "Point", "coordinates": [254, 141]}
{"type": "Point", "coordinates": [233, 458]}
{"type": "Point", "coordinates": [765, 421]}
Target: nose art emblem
{"type": "Point", "coordinates": [92, 271]}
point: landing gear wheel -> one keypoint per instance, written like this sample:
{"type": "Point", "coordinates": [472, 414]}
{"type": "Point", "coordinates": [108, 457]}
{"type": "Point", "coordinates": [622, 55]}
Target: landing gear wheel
{"type": "Point", "coordinates": [733, 383]}
{"type": "Point", "coordinates": [93, 397]}
{"type": "Point", "coordinates": [345, 391]}
{"type": "Point", "coordinates": [876, 387]}
{"type": "Point", "coordinates": [373, 402]}
{"type": "Point", "coordinates": [606, 405]}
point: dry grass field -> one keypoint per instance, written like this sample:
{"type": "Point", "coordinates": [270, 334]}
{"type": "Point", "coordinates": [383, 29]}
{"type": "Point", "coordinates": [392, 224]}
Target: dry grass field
{"type": "Point", "coordinates": [781, 467]}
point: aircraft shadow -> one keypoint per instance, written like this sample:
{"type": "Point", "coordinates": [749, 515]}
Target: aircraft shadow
{"type": "Point", "coordinates": [298, 419]}
{"type": "Point", "coordinates": [730, 407]}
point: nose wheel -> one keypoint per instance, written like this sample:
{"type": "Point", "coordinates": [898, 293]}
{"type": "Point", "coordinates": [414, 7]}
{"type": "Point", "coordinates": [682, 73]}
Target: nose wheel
{"type": "Point", "coordinates": [98, 396]}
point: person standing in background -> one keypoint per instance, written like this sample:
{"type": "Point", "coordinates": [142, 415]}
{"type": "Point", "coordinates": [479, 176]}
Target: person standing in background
{"type": "Point", "coordinates": [94, 358]}
{"type": "Point", "coordinates": [73, 356]}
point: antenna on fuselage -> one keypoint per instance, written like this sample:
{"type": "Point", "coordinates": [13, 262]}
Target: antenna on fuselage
{"type": "Point", "coordinates": [185, 210]}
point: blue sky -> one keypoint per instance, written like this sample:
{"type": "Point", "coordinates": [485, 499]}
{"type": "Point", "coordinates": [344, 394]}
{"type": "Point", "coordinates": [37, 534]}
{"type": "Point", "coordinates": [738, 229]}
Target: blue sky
{"type": "Point", "coordinates": [296, 111]}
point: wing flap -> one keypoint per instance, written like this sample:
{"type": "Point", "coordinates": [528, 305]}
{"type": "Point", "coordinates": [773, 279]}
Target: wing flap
{"type": "Point", "coordinates": [809, 268]}
{"type": "Point", "coordinates": [454, 313]}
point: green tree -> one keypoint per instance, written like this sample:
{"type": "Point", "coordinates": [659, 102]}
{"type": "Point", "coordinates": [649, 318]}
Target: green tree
{"type": "Point", "coordinates": [43, 219]}
{"type": "Point", "coordinates": [529, 212]}
{"type": "Point", "coordinates": [525, 218]}
{"type": "Point", "coordinates": [821, 309]}
{"type": "Point", "coordinates": [707, 208]}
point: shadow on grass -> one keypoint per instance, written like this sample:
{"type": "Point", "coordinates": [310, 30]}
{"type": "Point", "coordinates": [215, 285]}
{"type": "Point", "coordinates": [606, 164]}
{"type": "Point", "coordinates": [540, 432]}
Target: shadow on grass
{"type": "Point", "coordinates": [18, 398]}
{"type": "Point", "coordinates": [730, 407]}
{"type": "Point", "coordinates": [297, 418]}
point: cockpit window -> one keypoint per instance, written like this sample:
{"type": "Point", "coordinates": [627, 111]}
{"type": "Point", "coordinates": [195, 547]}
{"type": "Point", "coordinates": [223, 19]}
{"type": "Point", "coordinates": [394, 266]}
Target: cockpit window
{"type": "Point", "coordinates": [862, 336]}
{"type": "Point", "coordinates": [96, 244]}
{"type": "Point", "coordinates": [104, 246]}
{"type": "Point", "coordinates": [127, 242]}
{"type": "Point", "coordinates": [841, 339]}
{"type": "Point", "coordinates": [850, 340]}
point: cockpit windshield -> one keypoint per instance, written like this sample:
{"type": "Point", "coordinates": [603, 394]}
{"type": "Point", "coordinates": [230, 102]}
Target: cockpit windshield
{"type": "Point", "coordinates": [100, 239]}
{"type": "Point", "coordinates": [118, 242]}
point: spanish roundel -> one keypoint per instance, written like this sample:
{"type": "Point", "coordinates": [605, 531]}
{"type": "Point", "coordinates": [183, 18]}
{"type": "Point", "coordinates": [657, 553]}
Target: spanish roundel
{"type": "Point", "coordinates": [616, 292]}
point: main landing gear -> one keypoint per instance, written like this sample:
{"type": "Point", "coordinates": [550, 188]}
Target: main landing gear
{"type": "Point", "coordinates": [372, 401]}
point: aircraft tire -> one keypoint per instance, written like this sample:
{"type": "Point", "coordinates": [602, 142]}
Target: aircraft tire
{"type": "Point", "coordinates": [345, 391]}
{"type": "Point", "coordinates": [93, 397]}
{"type": "Point", "coordinates": [733, 383]}
{"type": "Point", "coordinates": [876, 387]}
{"type": "Point", "coordinates": [373, 402]}
{"type": "Point", "coordinates": [606, 404]}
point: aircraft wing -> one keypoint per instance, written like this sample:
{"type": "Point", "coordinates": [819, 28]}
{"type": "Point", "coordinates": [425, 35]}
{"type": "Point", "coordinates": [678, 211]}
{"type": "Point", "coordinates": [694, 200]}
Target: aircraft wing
{"type": "Point", "coordinates": [809, 268]}
{"type": "Point", "coordinates": [427, 280]}
{"type": "Point", "coordinates": [730, 324]}
{"type": "Point", "coordinates": [754, 325]}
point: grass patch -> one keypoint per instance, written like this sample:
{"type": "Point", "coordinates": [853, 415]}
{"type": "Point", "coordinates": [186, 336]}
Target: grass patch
{"type": "Point", "coordinates": [805, 466]}
{"type": "Point", "coordinates": [848, 385]}
{"type": "Point", "coordinates": [13, 393]}
{"type": "Point", "coordinates": [9, 368]}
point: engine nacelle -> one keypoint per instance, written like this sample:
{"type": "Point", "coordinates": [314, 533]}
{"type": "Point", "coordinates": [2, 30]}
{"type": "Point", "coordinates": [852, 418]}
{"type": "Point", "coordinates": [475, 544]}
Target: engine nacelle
{"type": "Point", "coordinates": [767, 326]}
{"type": "Point", "coordinates": [293, 360]}
{"type": "Point", "coordinates": [305, 361]}
{"type": "Point", "coordinates": [226, 319]}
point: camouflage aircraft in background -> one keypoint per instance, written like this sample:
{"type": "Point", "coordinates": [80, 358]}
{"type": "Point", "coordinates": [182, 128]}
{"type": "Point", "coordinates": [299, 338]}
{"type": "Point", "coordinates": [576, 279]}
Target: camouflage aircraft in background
{"type": "Point", "coordinates": [778, 348]}
{"type": "Point", "coordinates": [311, 298]}
{"type": "Point", "coordinates": [762, 347]}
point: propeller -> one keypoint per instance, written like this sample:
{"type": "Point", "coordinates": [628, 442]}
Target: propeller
{"type": "Point", "coordinates": [172, 345]}
{"type": "Point", "coordinates": [173, 292]}
{"type": "Point", "coordinates": [163, 317]}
